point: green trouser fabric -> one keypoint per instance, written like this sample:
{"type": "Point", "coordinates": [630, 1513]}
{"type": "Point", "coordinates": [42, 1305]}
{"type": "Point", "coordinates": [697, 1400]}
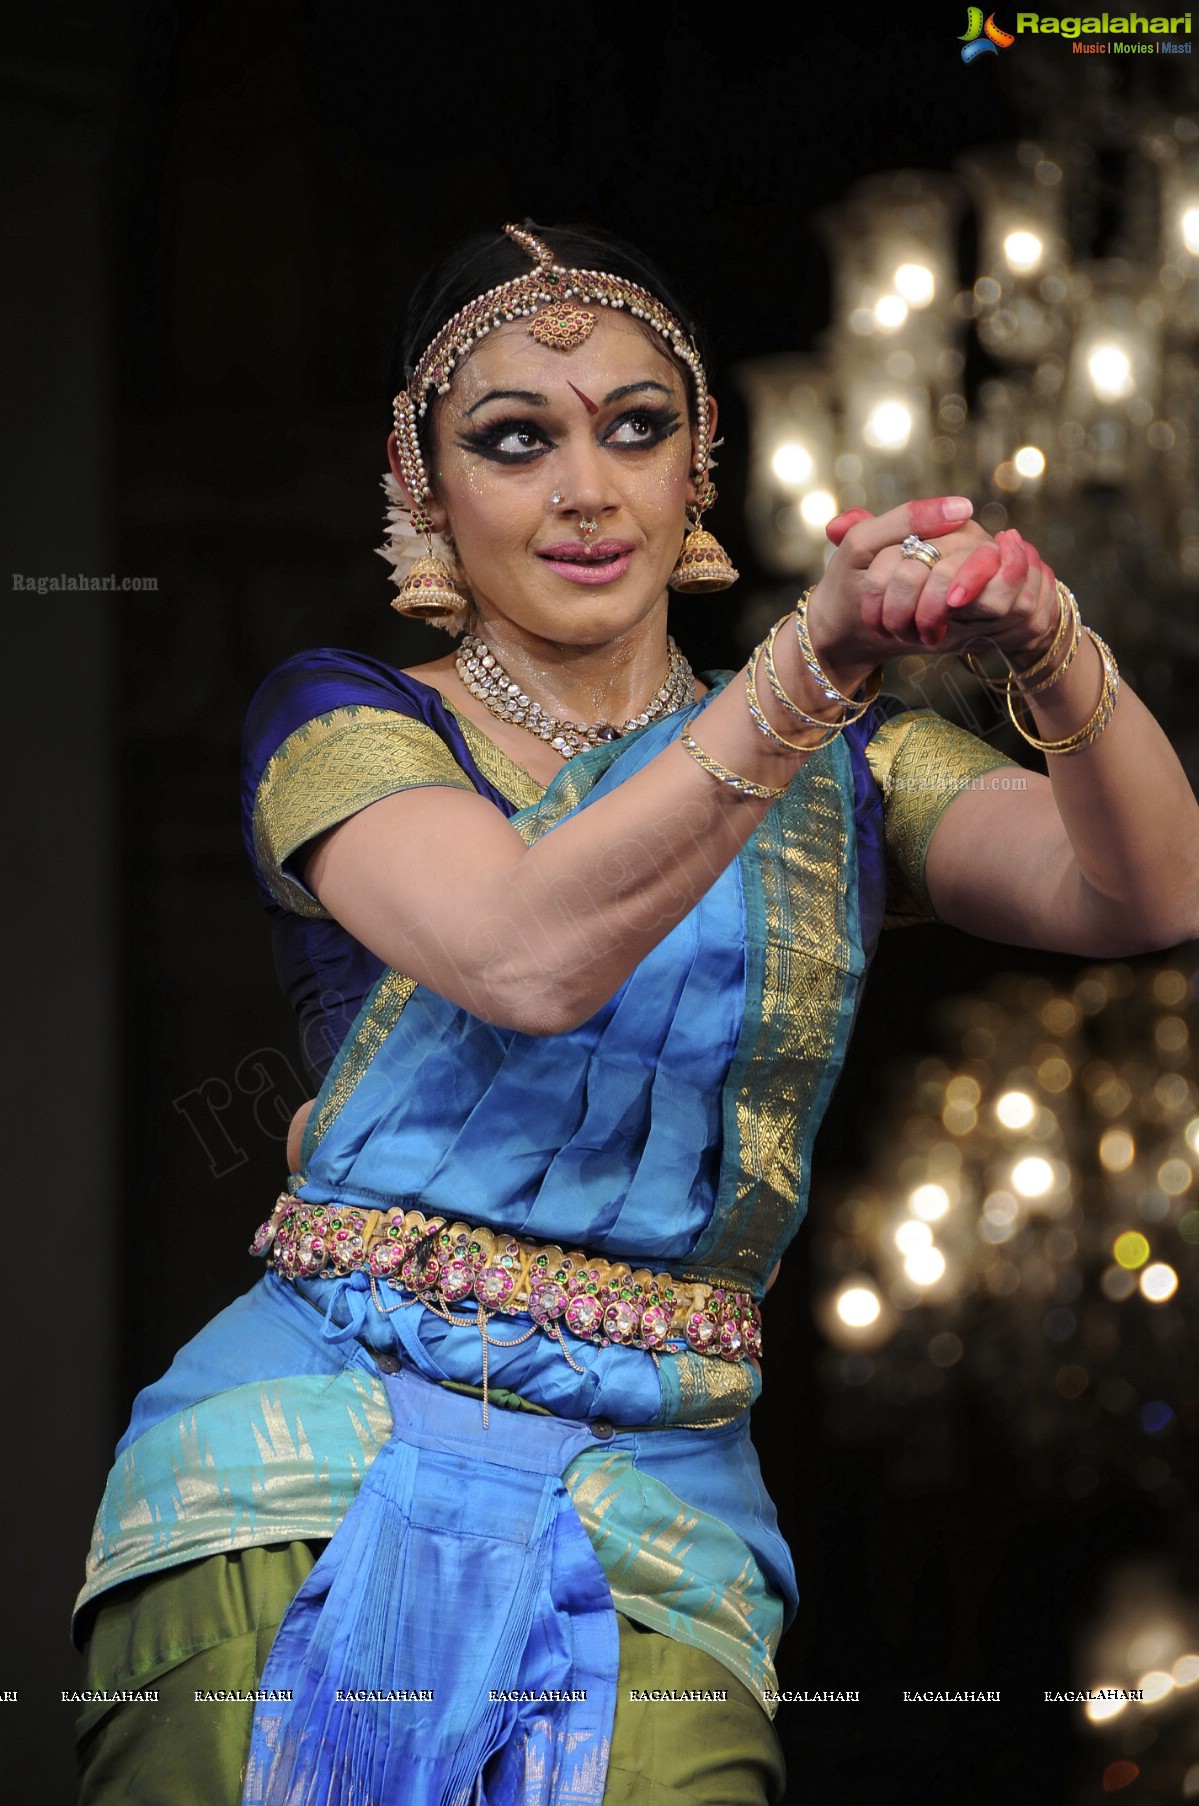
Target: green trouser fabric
{"type": "Point", "coordinates": [208, 1626]}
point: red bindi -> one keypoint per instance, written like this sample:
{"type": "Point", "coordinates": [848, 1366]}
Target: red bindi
{"type": "Point", "coordinates": [591, 406]}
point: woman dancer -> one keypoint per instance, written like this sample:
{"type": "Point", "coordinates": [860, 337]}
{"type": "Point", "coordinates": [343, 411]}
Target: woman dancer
{"type": "Point", "coordinates": [469, 1471]}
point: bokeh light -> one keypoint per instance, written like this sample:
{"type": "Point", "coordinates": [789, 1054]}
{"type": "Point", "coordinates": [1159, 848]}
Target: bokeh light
{"type": "Point", "coordinates": [1023, 251]}
{"type": "Point", "coordinates": [911, 1237]}
{"type": "Point", "coordinates": [890, 311]}
{"type": "Point", "coordinates": [792, 464]}
{"type": "Point", "coordinates": [925, 1266]}
{"type": "Point", "coordinates": [1117, 1150]}
{"type": "Point", "coordinates": [1099, 1711]}
{"type": "Point", "coordinates": [1015, 1109]}
{"type": "Point", "coordinates": [929, 1202]}
{"type": "Point", "coordinates": [888, 426]}
{"type": "Point", "coordinates": [1131, 1249]}
{"type": "Point", "coordinates": [857, 1306]}
{"type": "Point", "coordinates": [1110, 369]}
{"type": "Point", "coordinates": [915, 283]}
{"type": "Point", "coordinates": [818, 507]}
{"type": "Point", "coordinates": [1033, 1176]}
{"type": "Point", "coordinates": [1159, 1282]}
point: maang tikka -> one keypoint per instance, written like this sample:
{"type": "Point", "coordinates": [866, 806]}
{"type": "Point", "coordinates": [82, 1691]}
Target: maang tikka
{"type": "Point", "coordinates": [551, 297]}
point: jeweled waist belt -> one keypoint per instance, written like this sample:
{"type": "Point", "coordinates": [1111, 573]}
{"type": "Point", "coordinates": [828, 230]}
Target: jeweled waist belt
{"type": "Point", "coordinates": [445, 1264]}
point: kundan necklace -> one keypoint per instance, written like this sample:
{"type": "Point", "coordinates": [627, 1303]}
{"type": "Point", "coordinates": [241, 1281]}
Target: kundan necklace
{"type": "Point", "coordinates": [484, 676]}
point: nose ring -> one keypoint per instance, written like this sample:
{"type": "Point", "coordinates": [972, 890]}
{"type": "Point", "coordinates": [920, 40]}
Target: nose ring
{"type": "Point", "coordinates": [589, 528]}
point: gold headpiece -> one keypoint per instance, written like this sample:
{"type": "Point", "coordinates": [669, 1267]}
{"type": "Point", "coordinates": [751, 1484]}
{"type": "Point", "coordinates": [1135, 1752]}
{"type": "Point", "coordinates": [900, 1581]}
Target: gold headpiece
{"type": "Point", "coordinates": [552, 296]}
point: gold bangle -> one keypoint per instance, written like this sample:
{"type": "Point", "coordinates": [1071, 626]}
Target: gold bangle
{"type": "Point", "coordinates": [853, 713]}
{"type": "Point", "coordinates": [1104, 708]}
{"type": "Point", "coordinates": [1069, 625]}
{"type": "Point", "coordinates": [1044, 674]}
{"type": "Point", "coordinates": [757, 715]}
{"type": "Point", "coordinates": [1000, 684]}
{"type": "Point", "coordinates": [807, 652]}
{"type": "Point", "coordinates": [765, 793]}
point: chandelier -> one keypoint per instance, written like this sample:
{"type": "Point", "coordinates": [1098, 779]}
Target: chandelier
{"type": "Point", "coordinates": [1022, 331]}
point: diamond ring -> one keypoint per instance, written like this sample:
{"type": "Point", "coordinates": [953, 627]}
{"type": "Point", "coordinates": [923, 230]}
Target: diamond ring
{"type": "Point", "coordinates": [915, 547]}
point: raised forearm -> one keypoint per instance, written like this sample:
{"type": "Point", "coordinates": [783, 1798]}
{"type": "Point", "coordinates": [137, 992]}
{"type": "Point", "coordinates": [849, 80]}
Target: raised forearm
{"type": "Point", "coordinates": [537, 938]}
{"type": "Point", "coordinates": [1129, 814]}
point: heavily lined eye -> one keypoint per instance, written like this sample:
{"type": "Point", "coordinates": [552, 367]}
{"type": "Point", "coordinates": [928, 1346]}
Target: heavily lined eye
{"type": "Point", "coordinates": [507, 441]}
{"type": "Point", "coordinates": [520, 440]}
{"type": "Point", "coordinates": [643, 427]}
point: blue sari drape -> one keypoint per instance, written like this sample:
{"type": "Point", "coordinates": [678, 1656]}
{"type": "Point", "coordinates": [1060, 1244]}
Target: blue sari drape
{"type": "Point", "coordinates": [673, 1129]}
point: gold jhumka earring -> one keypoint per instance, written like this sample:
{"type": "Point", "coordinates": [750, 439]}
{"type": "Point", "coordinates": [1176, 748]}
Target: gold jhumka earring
{"type": "Point", "coordinates": [703, 565]}
{"type": "Point", "coordinates": [428, 589]}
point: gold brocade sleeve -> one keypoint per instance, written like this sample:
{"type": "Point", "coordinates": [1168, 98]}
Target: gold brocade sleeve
{"type": "Point", "coordinates": [920, 762]}
{"type": "Point", "coordinates": [326, 771]}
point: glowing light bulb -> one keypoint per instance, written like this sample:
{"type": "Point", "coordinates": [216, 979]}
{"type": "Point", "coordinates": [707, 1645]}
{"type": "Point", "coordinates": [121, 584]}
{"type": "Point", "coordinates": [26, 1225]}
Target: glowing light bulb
{"type": "Point", "coordinates": [1159, 1282]}
{"type": "Point", "coordinates": [890, 311]}
{"type": "Point", "coordinates": [1032, 1177]}
{"type": "Point", "coordinates": [857, 1306]}
{"type": "Point", "coordinates": [1155, 1685]}
{"type": "Point", "coordinates": [1110, 369]}
{"type": "Point", "coordinates": [1030, 461]}
{"type": "Point", "coordinates": [916, 284]}
{"type": "Point", "coordinates": [1015, 1109]}
{"type": "Point", "coordinates": [1190, 230]}
{"type": "Point", "coordinates": [792, 464]}
{"type": "Point", "coordinates": [818, 507]}
{"type": "Point", "coordinates": [888, 426]}
{"type": "Point", "coordinates": [1023, 250]}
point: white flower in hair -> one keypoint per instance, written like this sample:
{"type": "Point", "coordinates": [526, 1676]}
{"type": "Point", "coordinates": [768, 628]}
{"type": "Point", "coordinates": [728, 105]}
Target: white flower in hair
{"type": "Point", "coordinates": [404, 545]}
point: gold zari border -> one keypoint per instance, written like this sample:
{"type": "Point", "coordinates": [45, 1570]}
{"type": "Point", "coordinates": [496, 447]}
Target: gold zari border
{"type": "Point", "coordinates": [920, 762]}
{"type": "Point", "coordinates": [795, 871]}
{"type": "Point", "coordinates": [330, 768]}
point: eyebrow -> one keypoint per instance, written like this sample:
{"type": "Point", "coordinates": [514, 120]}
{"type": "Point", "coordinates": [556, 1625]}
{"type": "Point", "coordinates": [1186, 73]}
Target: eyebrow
{"type": "Point", "coordinates": [530, 396]}
{"type": "Point", "coordinates": [534, 399]}
{"type": "Point", "coordinates": [633, 388]}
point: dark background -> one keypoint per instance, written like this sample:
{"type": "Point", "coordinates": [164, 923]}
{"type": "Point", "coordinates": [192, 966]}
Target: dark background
{"type": "Point", "coordinates": [214, 214]}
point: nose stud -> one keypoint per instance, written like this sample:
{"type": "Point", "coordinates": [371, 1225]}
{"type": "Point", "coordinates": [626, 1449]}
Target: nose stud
{"type": "Point", "coordinates": [555, 498]}
{"type": "Point", "coordinates": [588, 528]}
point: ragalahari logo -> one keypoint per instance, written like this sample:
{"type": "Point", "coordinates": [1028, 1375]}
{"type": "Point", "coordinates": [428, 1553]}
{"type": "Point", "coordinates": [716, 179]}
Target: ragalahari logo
{"type": "Point", "coordinates": [982, 38]}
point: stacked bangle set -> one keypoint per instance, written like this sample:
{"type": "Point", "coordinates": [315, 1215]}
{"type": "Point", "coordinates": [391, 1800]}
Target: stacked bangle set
{"type": "Point", "coordinates": [827, 731]}
{"type": "Point", "coordinates": [1016, 686]}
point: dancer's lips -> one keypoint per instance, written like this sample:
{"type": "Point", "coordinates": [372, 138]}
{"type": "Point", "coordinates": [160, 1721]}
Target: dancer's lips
{"type": "Point", "coordinates": [603, 562]}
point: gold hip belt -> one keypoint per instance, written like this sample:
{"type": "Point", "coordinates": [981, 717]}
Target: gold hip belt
{"type": "Point", "coordinates": [446, 1264]}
